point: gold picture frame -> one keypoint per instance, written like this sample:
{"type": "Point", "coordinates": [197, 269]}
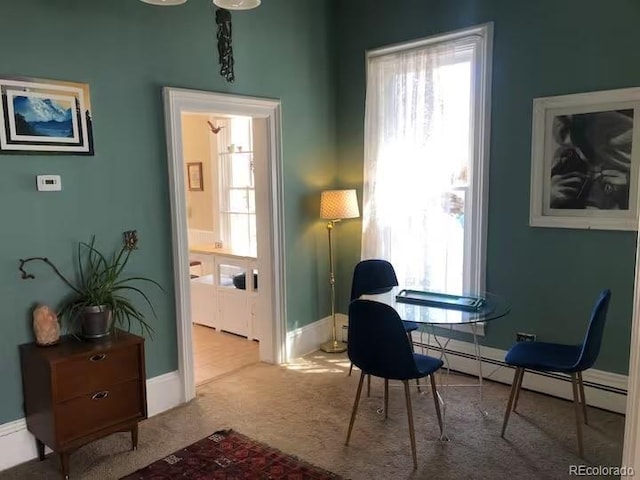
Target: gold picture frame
{"type": "Point", "coordinates": [194, 176]}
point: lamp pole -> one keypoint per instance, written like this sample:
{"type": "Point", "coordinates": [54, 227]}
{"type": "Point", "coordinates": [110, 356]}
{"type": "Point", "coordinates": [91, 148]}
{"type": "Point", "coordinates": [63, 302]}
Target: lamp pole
{"type": "Point", "coordinates": [336, 205]}
{"type": "Point", "coordinates": [332, 346]}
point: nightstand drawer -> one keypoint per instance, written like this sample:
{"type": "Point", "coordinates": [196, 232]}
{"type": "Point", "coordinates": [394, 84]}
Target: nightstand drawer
{"type": "Point", "coordinates": [95, 371]}
{"type": "Point", "coordinates": [97, 410]}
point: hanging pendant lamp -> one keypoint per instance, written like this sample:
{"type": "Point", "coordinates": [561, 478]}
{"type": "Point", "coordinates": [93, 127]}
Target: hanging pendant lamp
{"type": "Point", "coordinates": [237, 4]}
{"type": "Point", "coordinates": [165, 3]}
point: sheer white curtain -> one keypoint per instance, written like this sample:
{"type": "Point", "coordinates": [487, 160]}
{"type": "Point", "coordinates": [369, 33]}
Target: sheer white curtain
{"type": "Point", "coordinates": [416, 165]}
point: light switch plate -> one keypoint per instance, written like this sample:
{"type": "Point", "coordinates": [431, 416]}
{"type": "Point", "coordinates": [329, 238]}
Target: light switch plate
{"type": "Point", "coordinates": [49, 183]}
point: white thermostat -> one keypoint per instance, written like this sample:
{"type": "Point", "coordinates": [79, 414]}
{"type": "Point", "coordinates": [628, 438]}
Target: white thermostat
{"type": "Point", "coordinates": [49, 183]}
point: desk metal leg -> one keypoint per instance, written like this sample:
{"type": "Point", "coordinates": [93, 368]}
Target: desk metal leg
{"type": "Point", "coordinates": [441, 345]}
{"type": "Point", "coordinates": [478, 355]}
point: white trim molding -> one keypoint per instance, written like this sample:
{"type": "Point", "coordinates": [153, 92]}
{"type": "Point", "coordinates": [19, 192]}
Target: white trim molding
{"type": "Point", "coordinates": [631, 450]}
{"type": "Point", "coordinates": [163, 393]}
{"type": "Point", "coordinates": [307, 339]}
{"type": "Point", "coordinates": [272, 320]}
{"type": "Point", "coordinates": [18, 445]}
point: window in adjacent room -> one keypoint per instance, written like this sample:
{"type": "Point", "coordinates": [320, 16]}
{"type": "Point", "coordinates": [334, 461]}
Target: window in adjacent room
{"type": "Point", "coordinates": [237, 186]}
{"type": "Point", "coordinates": [426, 160]}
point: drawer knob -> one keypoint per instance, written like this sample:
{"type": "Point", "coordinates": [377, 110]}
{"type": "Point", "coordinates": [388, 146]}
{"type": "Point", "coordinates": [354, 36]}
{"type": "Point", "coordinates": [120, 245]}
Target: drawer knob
{"type": "Point", "coordinates": [100, 395]}
{"type": "Point", "coordinates": [98, 357]}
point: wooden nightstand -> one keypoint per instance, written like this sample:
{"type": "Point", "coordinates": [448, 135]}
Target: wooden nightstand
{"type": "Point", "coordinates": [77, 391]}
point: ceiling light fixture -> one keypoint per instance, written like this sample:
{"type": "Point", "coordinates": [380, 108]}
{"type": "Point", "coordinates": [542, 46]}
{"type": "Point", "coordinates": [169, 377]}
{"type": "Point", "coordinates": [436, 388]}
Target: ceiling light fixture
{"type": "Point", "coordinates": [165, 3]}
{"type": "Point", "coordinates": [237, 4]}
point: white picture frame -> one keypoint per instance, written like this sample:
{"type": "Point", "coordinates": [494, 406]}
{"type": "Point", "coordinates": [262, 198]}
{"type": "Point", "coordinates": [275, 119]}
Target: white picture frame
{"type": "Point", "coordinates": [585, 158]}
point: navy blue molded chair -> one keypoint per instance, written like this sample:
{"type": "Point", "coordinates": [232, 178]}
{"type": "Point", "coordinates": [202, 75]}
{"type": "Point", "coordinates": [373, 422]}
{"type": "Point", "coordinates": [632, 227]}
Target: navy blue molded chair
{"type": "Point", "coordinates": [378, 346]}
{"type": "Point", "coordinates": [372, 277]}
{"type": "Point", "coordinates": [554, 357]}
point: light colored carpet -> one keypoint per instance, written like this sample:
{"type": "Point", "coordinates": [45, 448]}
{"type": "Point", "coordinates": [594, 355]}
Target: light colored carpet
{"type": "Point", "coordinates": [303, 409]}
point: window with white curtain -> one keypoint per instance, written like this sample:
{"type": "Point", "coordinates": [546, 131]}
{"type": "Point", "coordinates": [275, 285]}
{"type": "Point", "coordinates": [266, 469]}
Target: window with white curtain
{"type": "Point", "coordinates": [237, 185]}
{"type": "Point", "coordinates": [426, 160]}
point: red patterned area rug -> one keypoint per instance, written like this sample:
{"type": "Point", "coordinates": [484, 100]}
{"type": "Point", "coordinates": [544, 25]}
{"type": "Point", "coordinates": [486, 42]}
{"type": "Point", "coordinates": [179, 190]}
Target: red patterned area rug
{"type": "Point", "coordinates": [228, 455]}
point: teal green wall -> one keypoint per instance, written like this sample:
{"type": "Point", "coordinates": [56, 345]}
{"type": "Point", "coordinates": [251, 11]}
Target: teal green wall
{"type": "Point", "coordinates": [127, 51]}
{"type": "Point", "coordinates": [541, 48]}
{"type": "Point", "coordinates": [308, 55]}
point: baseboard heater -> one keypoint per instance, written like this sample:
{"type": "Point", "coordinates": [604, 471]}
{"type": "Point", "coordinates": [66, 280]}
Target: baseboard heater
{"type": "Point", "coordinates": [498, 363]}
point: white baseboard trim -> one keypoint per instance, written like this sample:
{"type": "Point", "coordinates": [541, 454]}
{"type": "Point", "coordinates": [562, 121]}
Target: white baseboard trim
{"type": "Point", "coordinates": [164, 392]}
{"type": "Point", "coordinates": [307, 339]}
{"type": "Point", "coordinates": [18, 445]}
{"type": "Point", "coordinates": [604, 390]}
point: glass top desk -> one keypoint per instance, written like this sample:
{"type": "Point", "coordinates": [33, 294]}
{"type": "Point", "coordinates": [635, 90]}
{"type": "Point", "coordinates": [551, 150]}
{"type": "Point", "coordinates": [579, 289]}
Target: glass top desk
{"type": "Point", "coordinates": [443, 316]}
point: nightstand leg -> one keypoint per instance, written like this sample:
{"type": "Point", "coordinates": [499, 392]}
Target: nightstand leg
{"type": "Point", "coordinates": [40, 447]}
{"type": "Point", "coordinates": [134, 437]}
{"type": "Point", "coordinates": [64, 461]}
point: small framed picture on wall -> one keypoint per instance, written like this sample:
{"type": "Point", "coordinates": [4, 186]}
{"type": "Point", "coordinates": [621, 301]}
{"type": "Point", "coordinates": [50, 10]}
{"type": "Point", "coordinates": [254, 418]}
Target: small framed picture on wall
{"type": "Point", "coordinates": [194, 176]}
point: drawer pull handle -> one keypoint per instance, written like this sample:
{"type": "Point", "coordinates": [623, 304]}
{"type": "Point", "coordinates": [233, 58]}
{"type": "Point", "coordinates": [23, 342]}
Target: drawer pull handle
{"type": "Point", "coordinates": [100, 395]}
{"type": "Point", "coordinates": [97, 358]}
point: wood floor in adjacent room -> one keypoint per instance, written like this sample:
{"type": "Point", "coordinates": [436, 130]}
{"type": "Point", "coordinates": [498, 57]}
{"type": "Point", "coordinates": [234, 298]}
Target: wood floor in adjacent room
{"type": "Point", "coordinates": [217, 353]}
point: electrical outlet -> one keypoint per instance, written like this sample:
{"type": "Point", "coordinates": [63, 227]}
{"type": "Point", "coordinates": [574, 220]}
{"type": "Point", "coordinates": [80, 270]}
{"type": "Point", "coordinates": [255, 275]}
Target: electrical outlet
{"type": "Point", "coordinates": [525, 337]}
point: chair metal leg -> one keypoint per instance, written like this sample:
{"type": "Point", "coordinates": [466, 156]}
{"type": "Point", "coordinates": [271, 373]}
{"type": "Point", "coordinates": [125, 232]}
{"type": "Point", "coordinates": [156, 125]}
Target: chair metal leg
{"type": "Point", "coordinates": [386, 398]}
{"type": "Point", "coordinates": [410, 337]}
{"type": "Point", "coordinates": [350, 368]}
{"type": "Point", "coordinates": [583, 399]}
{"type": "Point", "coordinates": [514, 388]}
{"type": "Point", "coordinates": [355, 407]}
{"type": "Point", "coordinates": [576, 403]}
{"type": "Point", "coordinates": [412, 433]}
{"type": "Point", "coordinates": [368, 385]}
{"type": "Point", "coordinates": [515, 400]}
{"type": "Point", "coordinates": [436, 401]}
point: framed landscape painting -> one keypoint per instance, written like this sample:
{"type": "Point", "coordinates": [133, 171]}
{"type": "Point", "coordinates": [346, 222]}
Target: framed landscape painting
{"type": "Point", "coordinates": [585, 160]}
{"type": "Point", "coordinates": [45, 116]}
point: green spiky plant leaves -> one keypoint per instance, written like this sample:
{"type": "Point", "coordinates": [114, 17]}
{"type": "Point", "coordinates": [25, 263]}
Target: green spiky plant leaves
{"type": "Point", "coordinates": [101, 281]}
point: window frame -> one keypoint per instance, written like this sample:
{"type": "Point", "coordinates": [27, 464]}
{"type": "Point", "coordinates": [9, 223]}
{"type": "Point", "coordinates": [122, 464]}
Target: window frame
{"type": "Point", "coordinates": [225, 189]}
{"type": "Point", "coordinates": [475, 236]}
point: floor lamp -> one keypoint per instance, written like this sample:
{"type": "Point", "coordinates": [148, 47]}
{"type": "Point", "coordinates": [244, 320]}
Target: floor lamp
{"type": "Point", "coordinates": [336, 205]}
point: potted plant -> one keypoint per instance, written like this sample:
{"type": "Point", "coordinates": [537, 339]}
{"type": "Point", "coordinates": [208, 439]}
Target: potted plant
{"type": "Point", "coordinates": [98, 302]}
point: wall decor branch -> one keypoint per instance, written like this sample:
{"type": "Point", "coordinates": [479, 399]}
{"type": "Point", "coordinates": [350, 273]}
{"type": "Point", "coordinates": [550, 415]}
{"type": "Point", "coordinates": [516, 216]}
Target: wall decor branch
{"type": "Point", "coordinates": [225, 51]}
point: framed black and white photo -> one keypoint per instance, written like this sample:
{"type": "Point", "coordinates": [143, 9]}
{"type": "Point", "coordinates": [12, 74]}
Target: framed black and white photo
{"type": "Point", "coordinates": [585, 159]}
{"type": "Point", "coordinates": [45, 116]}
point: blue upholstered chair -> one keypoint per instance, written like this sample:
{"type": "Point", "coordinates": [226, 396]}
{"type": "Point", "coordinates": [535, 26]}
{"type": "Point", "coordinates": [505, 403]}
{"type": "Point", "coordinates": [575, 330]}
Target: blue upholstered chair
{"type": "Point", "coordinates": [378, 346]}
{"type": "Point", "coordinates": [553, 357]}
{"type": "Point", "coordinates": [373, 277]}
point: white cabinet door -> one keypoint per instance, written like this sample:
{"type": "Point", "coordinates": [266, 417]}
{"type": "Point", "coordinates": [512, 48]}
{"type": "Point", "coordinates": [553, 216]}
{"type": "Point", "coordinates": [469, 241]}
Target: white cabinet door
{"type": "Point", "coordinates": [204, 308]}
{"type": "Point", "coordinates": [234, 311]}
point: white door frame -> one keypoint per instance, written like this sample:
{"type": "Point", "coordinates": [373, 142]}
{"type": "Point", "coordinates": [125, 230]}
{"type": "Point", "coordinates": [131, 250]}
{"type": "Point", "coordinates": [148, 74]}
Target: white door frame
{"type": "Point", "coordinates": [272, 321]}
{"type": "Point", "coordinates": [631, 449]}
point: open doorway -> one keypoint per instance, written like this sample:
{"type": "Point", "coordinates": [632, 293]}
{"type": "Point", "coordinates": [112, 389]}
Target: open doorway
{"type": "Point", "coordinates": [219, 159]}
{"type": "Point", "coordinates": [226, 204]}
